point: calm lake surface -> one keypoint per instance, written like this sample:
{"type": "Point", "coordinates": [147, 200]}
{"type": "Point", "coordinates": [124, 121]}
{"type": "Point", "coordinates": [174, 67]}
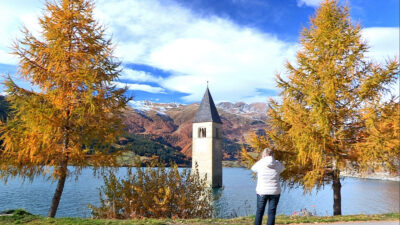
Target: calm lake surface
{"type": "Point", "coordinates": [238, 196]}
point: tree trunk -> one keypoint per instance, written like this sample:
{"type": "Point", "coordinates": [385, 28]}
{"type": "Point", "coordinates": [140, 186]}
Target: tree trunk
{"type": "Point", "coordinates": [337, 198]}
{"type": "Point", "coordinates": [59, 190]}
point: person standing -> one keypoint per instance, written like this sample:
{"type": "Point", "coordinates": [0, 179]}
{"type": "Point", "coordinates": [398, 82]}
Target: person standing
{"type": "Point", "coordinates": [268, 187]}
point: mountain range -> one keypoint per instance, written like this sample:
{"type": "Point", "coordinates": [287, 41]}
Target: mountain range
{"type": "Point", "coordinates": [172, 123]}
{"type": "Point", "coordinates": [165, 129]}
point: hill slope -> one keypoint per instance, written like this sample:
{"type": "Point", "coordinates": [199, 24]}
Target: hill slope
{"type": "Point", "coordinates": [173, 123]}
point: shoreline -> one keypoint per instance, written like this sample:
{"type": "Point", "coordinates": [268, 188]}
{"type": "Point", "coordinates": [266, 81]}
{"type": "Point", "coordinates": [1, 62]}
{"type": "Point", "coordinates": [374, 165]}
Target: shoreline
{"type": "Point", "coordinates": [375, 176]}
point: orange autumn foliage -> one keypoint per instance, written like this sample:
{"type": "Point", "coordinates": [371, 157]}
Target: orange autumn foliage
{"type": "Point", "coordinates": [155, 191]}
{"type": "Point", "coordinates": [74, 110]}
{"type": "Point", "coordinates": [332, 114]}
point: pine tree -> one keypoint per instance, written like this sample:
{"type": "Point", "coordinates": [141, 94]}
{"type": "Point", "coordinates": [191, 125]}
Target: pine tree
{"type": "Point", "coordinates": [331, 115]}
{"type": "Point", "coordinates": [76, 112]}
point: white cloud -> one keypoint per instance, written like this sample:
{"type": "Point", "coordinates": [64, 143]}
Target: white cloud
{"type": "Point", "coordinates": [384, 45]}
{"type": "Point", "coordinates": [238, 61]}
{"type": "Point", "coordinates": [312, 3]}
{"type": "Point", "coordinates": [140, 87]}
{"type": "Point", "coordinates": [13, 16]}
{"type": "Point", "coordinates": [139, 76]}
{"type": "Point", "coordinates": [383, 42]}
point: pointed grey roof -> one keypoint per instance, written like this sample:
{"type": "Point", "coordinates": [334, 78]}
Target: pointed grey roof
{"type": "Point", "coordinates": [207, 111]}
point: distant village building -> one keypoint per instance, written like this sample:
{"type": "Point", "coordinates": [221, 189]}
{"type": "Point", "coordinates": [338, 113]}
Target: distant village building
{"type": "Point", "coordinates": [207, 141]}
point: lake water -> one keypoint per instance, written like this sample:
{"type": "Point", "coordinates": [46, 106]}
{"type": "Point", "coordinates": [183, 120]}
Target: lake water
{"type": "Point", "coordinates": [359, 196]}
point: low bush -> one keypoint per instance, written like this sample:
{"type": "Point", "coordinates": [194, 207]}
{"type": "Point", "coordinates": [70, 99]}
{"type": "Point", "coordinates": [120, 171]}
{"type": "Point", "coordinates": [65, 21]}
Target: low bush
{"type": "Point", "coordinates": [154, 192]}
{"type": "Point", "coordinates": [16, 212]}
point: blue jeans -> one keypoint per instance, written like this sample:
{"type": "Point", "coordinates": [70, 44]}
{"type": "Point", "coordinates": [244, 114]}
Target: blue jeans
{"type": "Point", "coordinates": [272, 205]}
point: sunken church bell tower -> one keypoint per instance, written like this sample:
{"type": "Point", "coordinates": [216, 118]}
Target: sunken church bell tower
{"type": "Point", "coordinates": [207, 141]}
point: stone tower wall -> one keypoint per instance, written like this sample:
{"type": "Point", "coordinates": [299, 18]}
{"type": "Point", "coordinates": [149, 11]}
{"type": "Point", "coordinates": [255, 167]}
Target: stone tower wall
{"type": "Point", "coordinates": [207, 151]}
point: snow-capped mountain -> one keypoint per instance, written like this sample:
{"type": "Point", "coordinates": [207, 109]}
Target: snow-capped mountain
{"type": "Point", "coordinates": [173, 122]}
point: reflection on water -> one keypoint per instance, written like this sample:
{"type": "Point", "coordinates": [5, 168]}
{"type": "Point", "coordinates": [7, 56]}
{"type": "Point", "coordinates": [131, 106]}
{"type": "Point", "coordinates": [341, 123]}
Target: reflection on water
{"type": "Point", "coordinates": [238, 196]}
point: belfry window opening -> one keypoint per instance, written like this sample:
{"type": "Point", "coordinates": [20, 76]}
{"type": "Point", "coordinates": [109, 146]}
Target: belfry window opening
{"type": "Point", "coordinates": [202, 132]}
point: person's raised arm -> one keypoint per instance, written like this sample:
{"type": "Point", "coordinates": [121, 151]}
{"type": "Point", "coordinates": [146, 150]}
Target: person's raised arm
{"type": "Point", "coordinates": [255, 167]}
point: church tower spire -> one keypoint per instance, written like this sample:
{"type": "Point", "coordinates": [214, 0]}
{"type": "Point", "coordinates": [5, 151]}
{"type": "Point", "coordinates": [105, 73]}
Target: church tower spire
{"type": "Point", "coordinates": [207, 111]}
{"type": "Point", "coordinates": [207, 141]}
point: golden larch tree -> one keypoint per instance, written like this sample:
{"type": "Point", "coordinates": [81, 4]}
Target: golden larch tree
{"type": "Point", "coordinates": [76, 111]}
{"type": "Point", "coordinates": [331, 115]}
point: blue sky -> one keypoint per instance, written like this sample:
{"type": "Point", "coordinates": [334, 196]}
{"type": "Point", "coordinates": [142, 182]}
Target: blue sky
{"type": "Point", "coordinates": [170, 48]}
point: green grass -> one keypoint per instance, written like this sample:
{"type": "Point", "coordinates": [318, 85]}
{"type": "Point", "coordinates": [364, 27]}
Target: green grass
{"type": "Point", "coordinates": [19, 217]}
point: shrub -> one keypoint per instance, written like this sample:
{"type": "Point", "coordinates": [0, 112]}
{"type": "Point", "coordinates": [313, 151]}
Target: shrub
{"type": "Point", "coordinates": [154, 192]}
{"type": "Point", "coordinates": [16, 212]}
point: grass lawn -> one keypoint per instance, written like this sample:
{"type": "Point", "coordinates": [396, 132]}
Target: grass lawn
{"type": "Point", "coordinates": [19, 217]}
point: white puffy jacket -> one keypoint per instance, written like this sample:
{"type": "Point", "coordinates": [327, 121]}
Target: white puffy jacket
{"type": "Point", "coordinates": [268, 170]}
